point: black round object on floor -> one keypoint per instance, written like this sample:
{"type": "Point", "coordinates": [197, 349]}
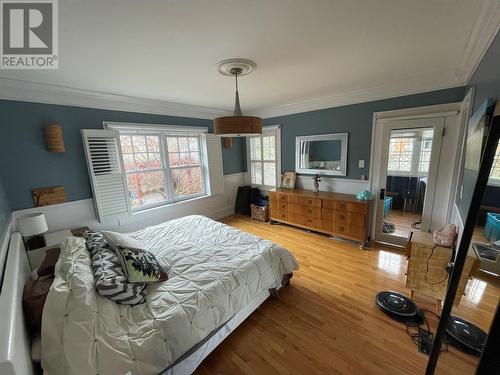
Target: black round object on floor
{"type": "Point", "coordinates": [466, 336]}
{"type": "Point", "coordinates": [397, 305]}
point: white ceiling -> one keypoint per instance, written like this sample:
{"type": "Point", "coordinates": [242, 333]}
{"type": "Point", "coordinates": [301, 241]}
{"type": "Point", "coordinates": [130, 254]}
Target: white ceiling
{"type": "Point", "coordinates": [309, 52]}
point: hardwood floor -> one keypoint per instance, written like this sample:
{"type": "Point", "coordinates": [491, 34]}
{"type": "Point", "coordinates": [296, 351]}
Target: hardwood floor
{"type": "Point", "coordinates": [326, 321]}
{"type": "Point", "coordinates": [403, 221]}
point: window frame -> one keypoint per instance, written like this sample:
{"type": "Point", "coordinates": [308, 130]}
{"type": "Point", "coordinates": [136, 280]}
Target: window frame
{"type": "Point", "coordinates": [418, 143]}
{"type": "Point", "coordinates": [494, 181]}
{"type": "Point", "coordinates": [164, 131]}
{"type": "Point", "coordinates": [266, 131]}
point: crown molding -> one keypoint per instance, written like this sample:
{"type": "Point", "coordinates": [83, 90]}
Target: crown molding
{"type": "Point", "coordinates": [482, 34]}
{"type": "Point", "coordinates": [485, 28]}
{"type": "Point", "coordinates": [26, 91]}
{"type": "Point", "coordinates": [437, 81]}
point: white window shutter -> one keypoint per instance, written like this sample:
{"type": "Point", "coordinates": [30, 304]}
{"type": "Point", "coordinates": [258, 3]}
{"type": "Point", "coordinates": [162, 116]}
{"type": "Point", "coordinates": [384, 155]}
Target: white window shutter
{"type": "Point", "coordinates": [107, 177]}
{"type": "Point", "coordinates": [215, 171]}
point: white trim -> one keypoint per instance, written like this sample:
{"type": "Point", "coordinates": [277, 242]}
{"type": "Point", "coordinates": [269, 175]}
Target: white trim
{"type": "Point", "coordinates": [485, 28]}
{"type": "Point", "coordinates": [438, 110]}
{"type": "Point", "coordinates": [449, 111]}
{"type": "Point", "coordinates": [82, 212]}
{"type": "Point", "coordinates": [141, 127]}
{"type": "Point", "coordinates": [276, 130]}
{"type": "Point", "coordinates": [483, 32]}
{"type": "Point", "coordinates": [413, 85]}
{"type": "Point", "coordinates": [27, 91]}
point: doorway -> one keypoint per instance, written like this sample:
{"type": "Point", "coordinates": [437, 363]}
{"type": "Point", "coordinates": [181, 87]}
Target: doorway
{"type": "Point", "coordinates": [407, 154]}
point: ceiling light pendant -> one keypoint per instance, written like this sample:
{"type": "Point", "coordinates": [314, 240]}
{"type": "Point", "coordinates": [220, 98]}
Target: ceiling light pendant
{"type": "Point", "coordinates": [237, 125]}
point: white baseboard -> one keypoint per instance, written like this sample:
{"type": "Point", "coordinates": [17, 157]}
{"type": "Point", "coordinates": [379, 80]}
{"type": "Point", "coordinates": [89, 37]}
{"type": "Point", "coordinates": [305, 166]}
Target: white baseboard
{"type": "Point", "coordinates": [81, 213]}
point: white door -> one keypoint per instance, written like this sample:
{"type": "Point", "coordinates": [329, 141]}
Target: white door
{"type": "Point", "coordinates": [406, 160]}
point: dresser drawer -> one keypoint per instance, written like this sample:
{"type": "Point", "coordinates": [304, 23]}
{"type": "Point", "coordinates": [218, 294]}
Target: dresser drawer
{"type": "Point", "coordinates": [310, 211]}
{"type": "Point", "coordinates": [341, 217]}
{"type": "Point", "coordinates": [356, 224]}
{"type": "Point", "coordinates": [329, 204]}
{"type": "Point", "coordinates": [310, 221]}
{"type": "Point", "coordinates": [282, 206]}
{"type": "Point", "coordinates": [313, 202]}
{"type": "Point", "coordinates": [350, 207]}
{"type": "Point", "coordinates": [327, 214]}
{"type": "Point", "coordinates": [327, 225]}
{"type": "Point", "coordinates": [341, 228]}
{"type": "Point", "coordinates": [273, 196]}
{"type": "Point", "coordinates": [273, 209]}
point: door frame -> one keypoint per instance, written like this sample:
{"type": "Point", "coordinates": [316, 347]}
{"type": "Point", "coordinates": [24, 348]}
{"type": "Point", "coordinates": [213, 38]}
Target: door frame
{"type": "Point", "coordinates": [380, 177]}
{"type": "Point", "coordinates": [448, 110]}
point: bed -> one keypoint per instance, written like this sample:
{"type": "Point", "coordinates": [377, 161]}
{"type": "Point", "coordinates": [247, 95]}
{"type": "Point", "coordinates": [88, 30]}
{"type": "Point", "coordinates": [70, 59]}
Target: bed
{"type": "Point", "coordinates": [218, 275]}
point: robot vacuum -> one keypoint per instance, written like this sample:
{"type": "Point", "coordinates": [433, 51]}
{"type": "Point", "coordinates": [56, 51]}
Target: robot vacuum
{"type": "Point", "coordinates": [397, 306]}
{"type": "Point", "coordinates": [466, 336]}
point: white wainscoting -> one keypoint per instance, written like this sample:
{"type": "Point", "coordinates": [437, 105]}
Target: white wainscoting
{"type": "Point", "coordinates": [457, 220]}
{"type": "Point", "coordinates": [81, 213]}
{"type": "Point", "coordinates": [334, 185]}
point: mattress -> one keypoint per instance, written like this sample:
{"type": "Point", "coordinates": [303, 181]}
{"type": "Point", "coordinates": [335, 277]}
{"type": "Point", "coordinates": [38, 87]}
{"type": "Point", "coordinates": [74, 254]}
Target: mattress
{"type": "Point", "coordinates": [214, 271]}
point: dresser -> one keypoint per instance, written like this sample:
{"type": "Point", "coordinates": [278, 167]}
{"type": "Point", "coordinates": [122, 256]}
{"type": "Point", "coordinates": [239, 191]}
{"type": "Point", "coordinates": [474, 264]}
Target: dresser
{"type": "Point", "coordinates": [339, 215]}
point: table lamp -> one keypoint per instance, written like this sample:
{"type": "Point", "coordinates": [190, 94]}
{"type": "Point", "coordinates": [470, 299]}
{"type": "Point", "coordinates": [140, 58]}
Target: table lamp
{"type": "Point", "coordinates": [31, 226]}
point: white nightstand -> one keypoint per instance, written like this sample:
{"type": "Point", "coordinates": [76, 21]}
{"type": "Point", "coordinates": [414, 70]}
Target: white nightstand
{"type": "Point", "coordinates": [52, 239]}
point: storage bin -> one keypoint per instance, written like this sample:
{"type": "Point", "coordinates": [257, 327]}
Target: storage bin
{"type": "Point", "coordinates": [387, 205]}
{"type": "Point", "coordinates": [492, 227]}
{"type": "Point", "coordinates": [260, 213]}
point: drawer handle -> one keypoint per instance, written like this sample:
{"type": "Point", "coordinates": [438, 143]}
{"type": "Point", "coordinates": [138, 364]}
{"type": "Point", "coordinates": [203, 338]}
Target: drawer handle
{"type": "Point", "coordinates": [342, 217]}
{"type": "Point", "coordinates": [283, 206]}
{"type": "Point", "coordinates": [341, 228]}
{"type": "Point", "coordinates": [310, 211]}
{"type": "Point", "coordinates": [342, 206]}
{"type": "Point", "coordinates": [283, 216]}
{"type": "Point", "coordinates": [310, 202]}
{"type": "Point", "coordinates": [309, 221]}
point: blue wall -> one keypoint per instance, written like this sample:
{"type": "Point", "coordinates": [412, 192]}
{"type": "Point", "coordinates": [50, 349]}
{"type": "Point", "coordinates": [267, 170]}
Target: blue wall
{"type": "Point", "coordinates": [25, 162]}
{"type": "Point", "coordinates": [354, 119]}
{"type": "Point", "coordinates": [4, 210]}
{"type": "Point", "coordinates": [486, 81]}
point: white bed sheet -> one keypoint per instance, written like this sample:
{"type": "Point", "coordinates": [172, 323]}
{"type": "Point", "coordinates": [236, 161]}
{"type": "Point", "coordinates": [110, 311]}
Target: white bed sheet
{"type": "Point", "coordinates": [215, 271]}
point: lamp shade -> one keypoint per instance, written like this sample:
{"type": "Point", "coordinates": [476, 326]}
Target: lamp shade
{"type": "Point", "coordinates": [32, 224]}
{"type": "Point", "coordinates": [54, 138]}
{"type": "Point", "coordinates": [235, 126]}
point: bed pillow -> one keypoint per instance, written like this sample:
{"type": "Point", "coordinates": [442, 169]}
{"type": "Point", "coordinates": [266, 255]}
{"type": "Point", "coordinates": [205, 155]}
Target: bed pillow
{"type": "Point", "coordinates": [139, 264]}
{"type": "Point", "coordinates": [109, 277]}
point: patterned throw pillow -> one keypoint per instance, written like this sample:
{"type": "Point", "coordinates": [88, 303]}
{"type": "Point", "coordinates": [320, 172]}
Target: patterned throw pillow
{"type": "Point", "coordinates": [140, 266]}
{"type": "Point", "coordinates": [110, 279]}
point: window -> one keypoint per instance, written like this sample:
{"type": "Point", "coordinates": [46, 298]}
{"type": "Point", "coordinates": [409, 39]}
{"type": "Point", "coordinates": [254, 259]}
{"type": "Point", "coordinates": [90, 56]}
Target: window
{"type": "Point", "coordinates": [495, 169]}
{"type": "Point", "coordinates": [144, 169]}
{"type": "Point", "coordinates": [133, 167]}
{"type": "Point", "coordinates": [425, 151]}
{"type": "Point", "coordinates": [400, 153]}
{"type": "Point", "coordinates": [162, 166]}
{"type": "Point", "coordinates": [263, 157]}
{"type": "Point", "coordinates": [410, 151]}
{"type": "Point", "coordinates": [185, 165]}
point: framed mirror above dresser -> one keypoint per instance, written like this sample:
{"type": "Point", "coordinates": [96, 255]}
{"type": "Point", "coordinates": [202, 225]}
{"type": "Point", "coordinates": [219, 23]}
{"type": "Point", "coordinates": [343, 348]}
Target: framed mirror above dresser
{"type": "Point", "coordinates": [324, 154]}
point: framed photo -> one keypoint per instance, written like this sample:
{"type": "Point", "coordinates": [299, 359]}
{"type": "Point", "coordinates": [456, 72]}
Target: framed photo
{"type": "Point", "coordinates": [288, 180]}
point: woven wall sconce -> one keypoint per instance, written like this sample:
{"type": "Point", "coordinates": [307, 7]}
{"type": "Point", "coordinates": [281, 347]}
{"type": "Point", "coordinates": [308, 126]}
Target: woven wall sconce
{"type": "Point", "coordinates": [54, 138]}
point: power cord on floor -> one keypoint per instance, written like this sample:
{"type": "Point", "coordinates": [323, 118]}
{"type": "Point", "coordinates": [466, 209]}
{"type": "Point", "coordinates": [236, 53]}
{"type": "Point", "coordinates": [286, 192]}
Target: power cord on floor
{"type": "Point", "coordinates": [427, 270]}
{"type": "Point", "coordinates": [423, 337]}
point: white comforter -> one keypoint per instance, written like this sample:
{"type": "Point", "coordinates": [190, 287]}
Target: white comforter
{"type": "Point", "coordinates": [214, 271]}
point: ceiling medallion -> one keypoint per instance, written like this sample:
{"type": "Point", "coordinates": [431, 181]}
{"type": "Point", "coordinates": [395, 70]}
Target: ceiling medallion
{"type": "Point", "coordinates": [237, 125]}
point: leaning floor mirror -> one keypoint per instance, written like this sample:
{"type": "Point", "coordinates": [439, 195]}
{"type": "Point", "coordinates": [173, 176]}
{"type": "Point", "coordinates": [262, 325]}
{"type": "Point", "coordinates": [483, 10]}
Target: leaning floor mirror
{"type": "Point", "coordinates": [325, 154]}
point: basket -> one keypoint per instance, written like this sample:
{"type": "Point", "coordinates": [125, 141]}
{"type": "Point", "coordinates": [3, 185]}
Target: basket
{"type": "Point", "coordinates": [260, 213]}
{"type": "Point", "coordinates": [492, 227]}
